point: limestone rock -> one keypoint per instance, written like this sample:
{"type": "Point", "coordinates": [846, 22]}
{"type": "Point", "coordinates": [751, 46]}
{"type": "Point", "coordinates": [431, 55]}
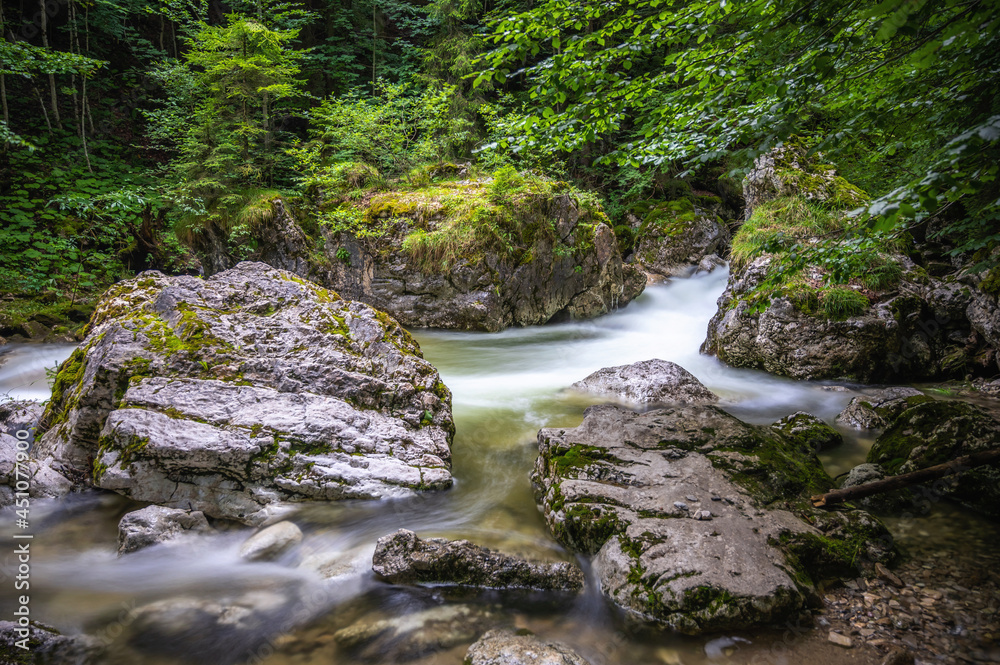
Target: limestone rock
{"type": "Point", "coordinates": [891, 341]}
{"type": "Point", "coordinates": [810, 431]}
{"type": "Point", "coordinates": [154, 525]}
{"type": "Point", "coordinates": [612, 487]}
{"type": "Point", "coordinates": [403, 558]}
{"type": "Point", "coordinates": [46, 645]}
{"type": "Point", "coordinates": [787, 170]}
{"type": "Point", "coordinates": [879, 407]}
{"type": "Point", "coordinates": [935, 432]}
{"type": "Point", "coordinates": [572, 266]}
{"type": "Point", "coordinates": [674, 237]}
{"type": "Point", "coordinates": [44, 480]}
{"type": "Point", "coordinates": [647, 382]}
{"type": "Point", "coordinates": [271, 542]}
{"type": "Point", "coordinates": [235, 394]}
{"type": "Point", "coordinates": [504, 647]}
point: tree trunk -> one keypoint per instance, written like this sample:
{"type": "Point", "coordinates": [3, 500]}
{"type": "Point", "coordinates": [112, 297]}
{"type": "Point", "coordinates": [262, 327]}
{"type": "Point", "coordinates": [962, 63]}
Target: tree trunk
{"type": "Point", "coordinates": [53, 94]}
{"type": "Point", "coordinates": [957, 465]}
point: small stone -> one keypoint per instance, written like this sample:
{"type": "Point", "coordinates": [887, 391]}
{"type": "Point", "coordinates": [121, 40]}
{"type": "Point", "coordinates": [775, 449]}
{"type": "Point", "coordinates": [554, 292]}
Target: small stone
{"type": "Point", "coordinates": [270, 543]}
{"type": "Point", "coordinates": [841, 640]}
{"type": "Point", "coordinates": [703, 515]}
{"type": "Point", "coordinates": [680, 505]}
{"type": "Point", "coordinates": [887, 575]}
{"type": "Point", "coordinates": [691, 498]}
{"type": "Point", "coordinates": [716, 498]}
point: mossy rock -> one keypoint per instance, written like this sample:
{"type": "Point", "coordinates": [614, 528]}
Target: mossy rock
{"type": "Point", "coordinates": [936, 432]}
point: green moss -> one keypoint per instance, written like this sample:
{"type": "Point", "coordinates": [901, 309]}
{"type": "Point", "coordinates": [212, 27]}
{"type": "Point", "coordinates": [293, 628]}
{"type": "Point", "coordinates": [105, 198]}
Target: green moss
{"type": "Point", "coordinates": [588, 526]}
{"type": "Point", "coordinates": [579, 456]}
{"type": "Point", "coordinates": [991, 283]}
{"type": "Point", "coordinates": [775, 468]}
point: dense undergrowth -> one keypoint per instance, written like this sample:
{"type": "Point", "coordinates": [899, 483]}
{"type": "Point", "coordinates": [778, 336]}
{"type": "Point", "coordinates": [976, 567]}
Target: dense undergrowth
{"type": "Point", "coordinates": [824, 262]}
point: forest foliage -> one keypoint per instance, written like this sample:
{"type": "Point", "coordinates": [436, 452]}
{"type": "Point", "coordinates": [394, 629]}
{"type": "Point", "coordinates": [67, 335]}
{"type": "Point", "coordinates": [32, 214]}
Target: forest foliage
{"type": "Point", "coordinates": [128, 124]}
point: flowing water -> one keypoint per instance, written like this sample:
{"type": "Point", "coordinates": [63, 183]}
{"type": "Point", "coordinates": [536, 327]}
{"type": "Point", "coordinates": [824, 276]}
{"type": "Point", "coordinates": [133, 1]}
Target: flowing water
{"type": "Point", "coordinates": [321, 604]}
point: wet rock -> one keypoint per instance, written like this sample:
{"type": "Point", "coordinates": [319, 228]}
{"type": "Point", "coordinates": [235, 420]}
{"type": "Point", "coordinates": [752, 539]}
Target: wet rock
{"type": "Point", "coordinates": [883, 502]}
{"type": "Point", "coordinates": [710, 263]}
{"type": "Point", "coordinates": [44, 480]}
{"type": "Point", "coordinates": [218, 630]}
{"type": "Point", "coordinates": [235, 394]}
{"type": "Point", "coordinates": [271, 542]}
{"type": "Point", "coordinates": [935, 432]}
{"type": "Point", "coordinates": [672, 238]}
{"type": "Point", "coordinates": [604, 487]}
{"type": "Point", "coordinates": [403, 558]}
{"type": "Point", "coordinates": [647, 382]}
{"type": "Point", "coordinates": [46, 645]}
{"type": "Point", "coordinates": [504, 647]}
{"type": "Point", "coordinates": [154, 525]}
{"type": "Point", "coordinates": [812, 433]}
{"type": "Point", "coordinates": [412, 635]}
{"type": "Point", "coordinates": [878, 407]}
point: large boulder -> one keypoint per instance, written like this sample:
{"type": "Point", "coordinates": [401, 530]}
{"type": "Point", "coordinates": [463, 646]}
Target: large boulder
{"type": "Point", "coordinates": [155, 525]}
{"type": "Point", "coordinates": [403, 558]}
{"type": "Point", "coordinates": [790, 169]}
{"type": "Point", "coordinates": [454, 255]}
{"type": "Point", "coordinates": [935, 432]}
{"type": "Point", "coordinates": [898, 337]}
{"type": "Point", "coordinates": [673, 237]}
{"type": "Point", "coordinates": [505, 647]}
{"type": "Point", "coordinates": [235, 394]}
{"type": "Point", "coordinates": [647, 382]}
{"type": "Point", "coordinates": [698, 520]}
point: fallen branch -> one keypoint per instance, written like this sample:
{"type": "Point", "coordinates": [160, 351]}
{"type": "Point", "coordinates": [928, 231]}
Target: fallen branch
{"type": "Point", "coordinates": [956, 465]}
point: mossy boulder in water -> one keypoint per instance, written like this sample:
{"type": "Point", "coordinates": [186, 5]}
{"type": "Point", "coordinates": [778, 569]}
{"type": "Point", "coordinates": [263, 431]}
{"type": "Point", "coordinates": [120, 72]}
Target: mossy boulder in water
{"type": "Point", "coordinates": [460, 254]}
{"type": "Point", "coordinates": [698, 520]}
{"type": "Point", "coordinates": [673, 237]}
{"type": "Point", "coordinates": [235, 394]}
{"type": "Point", "coordinates": [936, 432]}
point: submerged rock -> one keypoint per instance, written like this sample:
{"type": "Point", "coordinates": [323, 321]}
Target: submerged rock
{"type": "Point", "coordinates": [505, 647]}
{"type": "Point", "coordinates": [412, 635]}
{"type": "Point", "coordinates": [154, 525]}
{"type": "Point", "coordinates": [234, 394]}
{"type": "Point", "coordinates": [647, 382]}
{"type": "Point", "coordinates": [935, 432]}
{"type": "Point", "coordinates": [46, 645]}
{"type": "Point", "coordinates": [879, 407]}
{"type": "Point", "coordinates": [271, 542]}
{"type": "Point", "coordinates": [674, 237]}
{"type": "Point", "coordinates": [403, 558]}
{"type": "Point", "coordinates": [633, 488]}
